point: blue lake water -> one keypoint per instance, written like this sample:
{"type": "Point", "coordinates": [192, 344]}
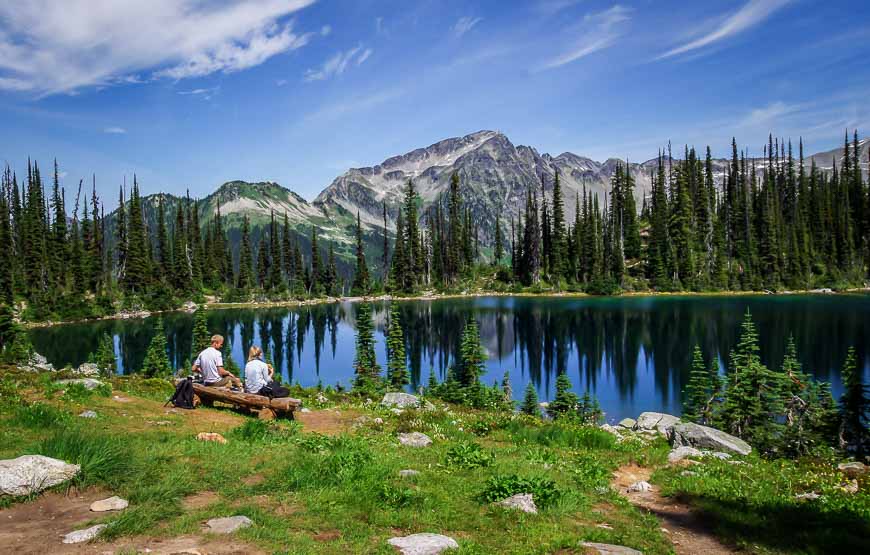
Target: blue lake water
{"type": "Point", "coordinates": [633, 353]}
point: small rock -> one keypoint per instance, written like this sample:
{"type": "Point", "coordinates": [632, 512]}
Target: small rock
{"type": "Point", "coordinates": [852, 469]}
{"type": "Point", "coordinates": [718, 455]}
{"type": "Point", "coordinates": [305, 410]}
{"type": "Point", "coordinates": [88, 414]}
{"type": "Point", "coordinates": [627, 423]}
{"type": "Point", "coordinates": [655, 421]}
{"type": "Point", "coordinates": [811, 496]}
{"type": "Point", "coordinates": [397, 412]}
{"type": "Point", "coordinates": [610, 430]}
{"type": "Point", "coordinates": [158, 422]}
{"type": "Point", "coordinates": [688, 473]}
{"type": "Point", "coordinates": [415, 439]}
{"type": "Point", "coordinates": [33, 473]}
{"type": "Point", "coordinates": [522, 501]}
{"type": "Point", "coordinates": [610, 549]}
{"type": "Point", "coordinates": [113, 503]}
{"type": "Point", "coordinates": [228, 524]}
{"type": "Point", "coordinates": [86, 535]}
{"type": "Point", "coordinates": [378, 421]}
{"type": "Point", "coordinates": [851, 486]}
{"type": "Point", "coordinates": [89, 383]}
{"type": "Point", "coordinates": [604, 525]}
{"type": "Point", "coordinates": [321, 398]}
{"type": "Point", "coordinates": [423, 544]}
{"type": "Point", "coordinates": [211, 436]}
{"type": "Point", "coordinates": [639, 487]}
{"type": "Point", "coordinates": [408, 473]}
{"type": "Point", "coordinates": [681, 453]}
{"type": "Point", "coordinates": [88, 369]}
{"type": "Point", "coordinates": [399, 399]}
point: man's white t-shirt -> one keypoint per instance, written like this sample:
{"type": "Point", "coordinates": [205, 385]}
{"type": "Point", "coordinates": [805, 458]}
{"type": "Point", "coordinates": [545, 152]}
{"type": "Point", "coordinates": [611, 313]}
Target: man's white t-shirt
{"type": "Point", "coordinates": [209, 361]}
{"type": "Point", "coordinates": [256, 375]}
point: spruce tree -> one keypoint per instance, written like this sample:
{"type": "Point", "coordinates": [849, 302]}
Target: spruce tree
{"type": "Point", "coordinates": [471, 356]}
{"type": "Point", "coordinates": [854, 434]}
{"type": "Point", "coordinates": [566, 402]}
{"type": "Point", "coordinates": [498, 249]}
{"type": "Point", "coordinates": [365, 363]}
{"type": "Point", "coordinates": [156, 363]}
{"type": "Point", "coordinates": [361, 273]}
{"type": "Point", "coordinates": [246, 257]}
{"type": "Point", "coordinates": [104, 357]}
{"type": "Point", "coordinates": [201, 335]}
{"type": "Point", "coordinates": [530, 401]}
{"type": "Point", "coordinates": [700, 391]}
{"type": "Point", "coordinates": [397, 368]}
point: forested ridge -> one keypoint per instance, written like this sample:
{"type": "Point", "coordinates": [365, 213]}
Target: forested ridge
{"type": "Point", "coordinates": [773, 224]}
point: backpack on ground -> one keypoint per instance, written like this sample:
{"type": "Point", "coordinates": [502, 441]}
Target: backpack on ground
{"type": "Point", "coordinates": [274, 390]}
{"type": "Point", "coordinates": [183, 396]}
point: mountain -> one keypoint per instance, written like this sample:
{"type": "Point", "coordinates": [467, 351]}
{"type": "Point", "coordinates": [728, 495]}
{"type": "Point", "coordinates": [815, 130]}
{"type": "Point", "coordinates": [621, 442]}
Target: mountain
{"type": "Point", "coordinates": [494, 176]}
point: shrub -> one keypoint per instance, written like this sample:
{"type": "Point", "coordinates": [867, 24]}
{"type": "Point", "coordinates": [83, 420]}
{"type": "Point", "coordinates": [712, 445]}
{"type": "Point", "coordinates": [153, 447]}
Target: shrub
{"type": "Point", "coordinates": [399, 497]}
{"type": "Point", "coordinates": [589, 472]}
{"type": "Point", "coordinates": [469, 455]}
{"type": "Point", "coordinates": [501, 487]}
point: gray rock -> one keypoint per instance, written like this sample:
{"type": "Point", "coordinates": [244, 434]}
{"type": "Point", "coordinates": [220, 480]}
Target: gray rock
{"type": "Point", "coordinates": [33, 473]}
{"type": "Point", "coordinates": [657, 421]}
{"type": "Point", "coordinates": [415, 439]}
{"type": "Point", "coordinates": [113, 503]}
{"type": "Point", "coordinates": [688, 473]}
{"type": "Point", "coordinates": [522, 502]}
{"type": "Point", "coordinates": [627, 423]}
{"type": "Point", "coordinates": [703, 437]}
{"type": "Point", "coordinates": [88, 369]}
{"type": "Point", "coordinates": [86, 535]}
{"type": "Point", "coordinates": [396, 411]}
{"type": "Point", "coordinates": [809, 496]}
{"type": "Point", "coordinates": [610, 430]}
{"type": "Point", "coordinates": [89, 383]}
{"type": "Point", "coordinates": [228, 524]}
{"type": "Point", "coordinates": [88, 414]}
{"type": "Point", "coordinates": [401, 400]}
{"type": "Point", "coordinates": [610, 549]}
{"type": "Point", "coordinates": [681, 452]}
{"type": "Point", "coordinates": [305, 409]}
{"type": "Point", "coordinates": [423, 544]}
{"type": "Point", "coordinates": [717, 455]}
{"type": "Point", "coordinates": [408, 473]}
{"type": "Point", "coordinates": [639, 487]}
{"type": "Point", "coordinates": [852, 469]}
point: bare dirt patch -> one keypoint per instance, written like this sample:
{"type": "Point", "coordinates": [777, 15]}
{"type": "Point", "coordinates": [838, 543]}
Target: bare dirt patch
{"type": "Point", "coordinates": [688, 531]}
{"type": "Point", "coordinates": [187, 545]}
{"type": "Point", "coordinates": [199, 500]}
{"type": "Point", "coordinates": [327, 422]}
{"type": "Point", "coordinates": [327, 536]}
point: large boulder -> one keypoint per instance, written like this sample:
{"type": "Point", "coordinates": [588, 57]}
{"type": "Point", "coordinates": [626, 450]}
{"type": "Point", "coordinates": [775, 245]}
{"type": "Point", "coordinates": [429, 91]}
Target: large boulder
{"type": "Point", "coordinates": [423, 544]}
{"type": "Point", "coordinates": [88, 369]}
{"type": "Point", "coordinates": [33, 473]}
{"type": "Point", "coordinates": [401, 400]}
{"type": "Point", "coordinates": [657, 421]}
{"type": "Point", "coordinates": [682, 452]}
{"type": "Point", "coordinates": [703, 437]}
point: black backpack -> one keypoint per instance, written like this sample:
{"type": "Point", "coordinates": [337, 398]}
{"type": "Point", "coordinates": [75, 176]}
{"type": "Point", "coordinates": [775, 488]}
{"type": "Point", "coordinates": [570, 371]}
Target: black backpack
{"type": "Point", "coordinates": [183, 396]}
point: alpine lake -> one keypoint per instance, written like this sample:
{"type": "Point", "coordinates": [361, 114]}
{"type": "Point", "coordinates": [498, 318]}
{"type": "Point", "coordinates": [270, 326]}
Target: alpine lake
{"type": "Point", "coordinates": [633, 353]}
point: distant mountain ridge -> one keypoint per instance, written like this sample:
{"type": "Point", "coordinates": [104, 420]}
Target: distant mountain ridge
{"type": "Point", "coordinates": [494, 176]}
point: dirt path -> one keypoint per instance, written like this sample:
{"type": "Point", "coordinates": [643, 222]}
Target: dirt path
{"type": "Point", "coordinates": [688, 531]}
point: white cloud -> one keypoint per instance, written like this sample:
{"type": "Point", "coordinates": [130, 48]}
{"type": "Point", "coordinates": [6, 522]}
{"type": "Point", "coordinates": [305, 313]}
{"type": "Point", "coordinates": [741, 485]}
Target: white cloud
{"type": "Point", "coordinates": [206, 93]}
{"type": "Point", "coordinates": [50, 47]}
{"type": "Point", "coordinates": [114, 130]}
{"type": "Point", "coordinates": [325, 30]}
{"type": "Point", "coordinates": [550, 7]}
{"type": "Point", "coordinates": [464, 25]}
{"type": "Point", "coordinates": [768, 114]}
{"type": "Point", "coordinates": [281, 82]}
{"type": "Point", "coordinates": [597, 31]}
{"type": "Point", "coordinates": [339, 62]}
{"type": "Point", "coordinates": [752, 13]}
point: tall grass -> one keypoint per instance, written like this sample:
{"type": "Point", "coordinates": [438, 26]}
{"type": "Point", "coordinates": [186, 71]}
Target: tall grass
{"type": "Point", "coordinates": [39, 415]}
{"type": "Point", "coordinates": [103, 459]}
{"type": "Point", "coordinates": [558, 435]}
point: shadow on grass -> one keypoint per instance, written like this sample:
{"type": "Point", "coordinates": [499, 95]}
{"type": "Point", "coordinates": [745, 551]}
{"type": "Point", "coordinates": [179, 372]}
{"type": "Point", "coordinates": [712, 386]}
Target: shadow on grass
{"type": "Point", "coordinates": [805, 528]}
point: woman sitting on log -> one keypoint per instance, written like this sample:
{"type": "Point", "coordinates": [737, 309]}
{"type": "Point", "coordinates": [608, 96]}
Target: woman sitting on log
{"type": "Point", "coordinates": [258, 376]}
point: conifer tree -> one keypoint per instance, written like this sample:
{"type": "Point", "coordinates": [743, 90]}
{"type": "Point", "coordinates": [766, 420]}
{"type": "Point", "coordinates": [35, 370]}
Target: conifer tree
{"type": "Point", "coordinates": [530, 401]}
{"type": "Point", "coordinates": [566, 402]}
{"type": "Point", "coordinates": [854, 434]}
{"type": "Point", "coordinates": [104, 357]}
{"type": "Point", "coordinates": [498, 249]}
{"type": "Point", "coordinates": [246, 257]}
{"type": "Point", "coordinates": [557, 230]}
{"type": "Point", "coordinates": [137, 273]}
{"type": "Point", "coordinates": [701, 390]}
{"type": "Point", "coordinates": [156, 363]}
{"type": "Point", "coordinates": [361, 273]}
{"type": "Point", "coordinates": [201, 335]}
{"type": "Point", "coordinates": [397, 369]}
{"type": "Point", "coordinates": [365, 363]}
{"type": "Point", "coordinates": [471, 356]}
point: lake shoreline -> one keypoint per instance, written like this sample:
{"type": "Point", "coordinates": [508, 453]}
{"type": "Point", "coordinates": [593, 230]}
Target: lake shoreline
{"type": "Point", "coordinates": [128, 315]}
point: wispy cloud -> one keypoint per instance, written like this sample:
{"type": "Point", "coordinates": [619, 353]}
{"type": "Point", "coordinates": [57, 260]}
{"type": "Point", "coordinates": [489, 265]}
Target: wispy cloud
{"type": "Point", "coordinates": [52, 47]}
{"type": "Point", "coordinates": [325, 30]}
{"type": "Point", "coordinates": [114, 130]}
{"type": "Point", "coordinates": [338, 63]}
{"type": "Point", "coordinates": [597, 31]}
{"type": "Point", "coordinates": [550, 7]}
{"type": "Point", "coordinates": [769, 114]}
{"type": "Point", "coordinates": [464, 25]}
{"type": "Point", "coordinates": [205, 93]}
{"type": "Point", "coordinates": [355, 104]}
{"type": "Point", "coordinates": [751, 14]}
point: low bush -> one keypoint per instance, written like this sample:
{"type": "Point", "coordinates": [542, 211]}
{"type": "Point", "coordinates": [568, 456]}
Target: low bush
{"type": "Point", "coordinates": [39, 415]}
{"type": "Point", "coordinates": [468, 455]}
{"type": "Point", "coordinates": [501, 487]}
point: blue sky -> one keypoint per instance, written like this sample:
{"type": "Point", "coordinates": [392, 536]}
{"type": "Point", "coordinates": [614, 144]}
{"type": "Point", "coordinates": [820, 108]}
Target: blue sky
{"type": "Point", "coordinates": [192, 93]}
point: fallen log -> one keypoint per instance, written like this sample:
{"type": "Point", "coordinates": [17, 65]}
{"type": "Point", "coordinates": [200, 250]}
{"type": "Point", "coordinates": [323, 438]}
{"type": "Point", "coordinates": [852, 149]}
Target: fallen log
{"type": "Point", "coordinates": [267, 408]}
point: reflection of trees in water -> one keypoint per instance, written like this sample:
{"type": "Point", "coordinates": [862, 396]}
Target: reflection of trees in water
{"type": "Point", "coordinates": [602, 339]}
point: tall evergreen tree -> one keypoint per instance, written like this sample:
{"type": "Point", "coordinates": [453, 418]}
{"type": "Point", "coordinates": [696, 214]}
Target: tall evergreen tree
{"type": "Point", "coordinates": [361, 273]}
{"type": "Point", "coordinates": [397, 369]}
{"type": "Point", "coordinates": [854, 432]}
{"type": "Point", "coordinates": [365, 363]}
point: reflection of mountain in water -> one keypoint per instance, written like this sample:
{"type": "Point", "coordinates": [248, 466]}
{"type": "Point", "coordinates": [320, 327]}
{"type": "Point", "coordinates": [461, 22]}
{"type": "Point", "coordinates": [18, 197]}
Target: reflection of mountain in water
{"type": "Point", "coordinates": [634, 350]}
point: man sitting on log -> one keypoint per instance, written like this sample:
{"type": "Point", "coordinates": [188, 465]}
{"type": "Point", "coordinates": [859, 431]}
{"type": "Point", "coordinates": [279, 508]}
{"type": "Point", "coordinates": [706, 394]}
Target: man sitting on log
{"type": "Point", "coordinates": [210, 363]}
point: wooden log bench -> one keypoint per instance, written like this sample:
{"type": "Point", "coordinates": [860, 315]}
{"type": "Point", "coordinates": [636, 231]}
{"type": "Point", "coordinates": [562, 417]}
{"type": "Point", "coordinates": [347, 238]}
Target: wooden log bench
{"type": "Point", "coordinates": [266, 409]}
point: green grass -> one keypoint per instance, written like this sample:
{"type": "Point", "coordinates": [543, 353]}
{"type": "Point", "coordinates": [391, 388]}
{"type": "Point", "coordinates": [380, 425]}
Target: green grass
{"type": "Point", "coordinates": [349, 485]}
